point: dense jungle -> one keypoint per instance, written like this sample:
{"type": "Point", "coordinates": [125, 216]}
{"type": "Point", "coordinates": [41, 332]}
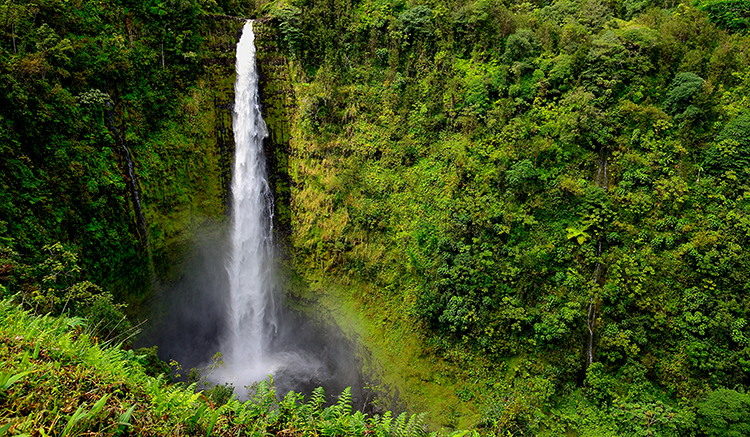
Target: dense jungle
{"type": "Point", "coordinates": [534, 215]}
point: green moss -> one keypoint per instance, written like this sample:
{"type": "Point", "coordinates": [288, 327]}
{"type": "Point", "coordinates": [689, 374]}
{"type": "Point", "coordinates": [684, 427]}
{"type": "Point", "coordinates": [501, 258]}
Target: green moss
{"type": "Point", "coordinates": [185, 166]}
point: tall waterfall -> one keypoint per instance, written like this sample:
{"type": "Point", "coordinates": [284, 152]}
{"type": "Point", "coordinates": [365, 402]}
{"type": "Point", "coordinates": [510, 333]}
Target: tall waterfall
{"type": "Point", "coordinates": [252, 316]}
{"type": "Point", "coordinates": [228, 299]}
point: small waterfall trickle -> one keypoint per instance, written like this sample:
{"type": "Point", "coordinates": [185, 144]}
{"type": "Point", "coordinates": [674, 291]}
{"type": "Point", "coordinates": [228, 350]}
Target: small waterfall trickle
{"type": "Point", "coordinates": [591, 314]}
{"type": "Point", "coordinates": [602, 181]}
{"type": "Point", "coordinates": [252, 314]}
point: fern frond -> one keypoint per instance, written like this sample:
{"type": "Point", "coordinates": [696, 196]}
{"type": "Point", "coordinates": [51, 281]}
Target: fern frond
{"type": "Point", "coordinates": [344, 404]}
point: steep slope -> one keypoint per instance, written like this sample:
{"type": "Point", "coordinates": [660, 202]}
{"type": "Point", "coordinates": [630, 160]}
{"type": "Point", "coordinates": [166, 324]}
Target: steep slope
{"type": "Point", "coordinates": [116, 135]}
{"type": "Point", "coordinates": [548, 200]}
{"type": "Point", "coordinates": [56, 380]}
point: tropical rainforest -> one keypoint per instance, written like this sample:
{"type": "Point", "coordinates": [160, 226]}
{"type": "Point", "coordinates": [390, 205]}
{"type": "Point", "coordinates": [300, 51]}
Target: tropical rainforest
{"type": "Point", "coordinates": [536, 213]}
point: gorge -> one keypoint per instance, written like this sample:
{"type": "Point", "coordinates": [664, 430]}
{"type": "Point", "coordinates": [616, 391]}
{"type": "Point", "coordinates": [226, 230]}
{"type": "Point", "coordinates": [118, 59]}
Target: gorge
{"type": "Point", "coordinates": [528, 218]}
{"type": "Point", "coordinates": [230, 301]}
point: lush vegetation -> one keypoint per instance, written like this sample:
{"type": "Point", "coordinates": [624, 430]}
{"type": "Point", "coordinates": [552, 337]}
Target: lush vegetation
{"type": "Point", "coordinates": [87, 86]}
{"type": "Point", "coordinates": [113, 119]}
{"type": "Point", "coordinates": [552, 196]}
{"type": "Point", "coordinates": [540, 208]}
{"type": "Point", "coordinates": [56, 380]}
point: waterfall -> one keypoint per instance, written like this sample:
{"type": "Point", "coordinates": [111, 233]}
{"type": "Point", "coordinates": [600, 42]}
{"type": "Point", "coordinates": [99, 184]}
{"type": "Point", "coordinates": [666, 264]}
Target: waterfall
{"type": "Point", "coordinates": [602, 178]}
{"type": "Point", "coordinates": [227, 300]}
{"type": "Point", "coordinates": [249, 264]}
{"type": "Point", "coordinates": [602, 181]}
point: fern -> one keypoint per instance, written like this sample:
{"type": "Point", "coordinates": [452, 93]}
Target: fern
{"type": "Point", "coordinates": [405, 426]}
{"type": "Point", "coordinates": [163, 408]}
{"type": "Point", "coordinates": [344, 404]}
{"type": "Point", "coordinates": [318, 398]}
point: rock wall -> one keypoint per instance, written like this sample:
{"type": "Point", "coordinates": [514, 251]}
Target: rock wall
{"type": "Point", "coordinates": [187, 167]}
{"type": "Point", "coordinates": [277, 98]}
{"type": "Point", "coordinates": [223, 34]}
{"type": "Point", "coordinates": [203, 143]}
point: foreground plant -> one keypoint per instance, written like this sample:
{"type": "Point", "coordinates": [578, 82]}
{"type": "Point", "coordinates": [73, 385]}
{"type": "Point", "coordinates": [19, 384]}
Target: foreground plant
{"type": "Point", "coordinates": [56, 380]}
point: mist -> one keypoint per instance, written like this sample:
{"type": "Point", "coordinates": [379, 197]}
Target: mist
{"type": "Point", "coordinates": [187, 321]}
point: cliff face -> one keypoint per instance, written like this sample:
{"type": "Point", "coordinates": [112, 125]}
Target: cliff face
{"type": "Point", "coordinates": [527, 192]}
{"type": "Point", "coordinates": [188, 167]}
{"type": "Point", "coordinates": [189, 176]}
{"type": "Point", "coordinates": [277, 97]}
{"type": "Point", "coordinates": [115, 119]}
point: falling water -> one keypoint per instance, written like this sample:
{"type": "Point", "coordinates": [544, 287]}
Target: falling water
{"type": "Point", "coordinates": [142, 227]}
{"type": "Point", "coordinates": [602, 180]}
{"type": "Point", "coordinates": [254, 342]}
{"type": "Point", "coordinates": [226, 299]}
{"type": "Point", "coordinates": [252, 316]}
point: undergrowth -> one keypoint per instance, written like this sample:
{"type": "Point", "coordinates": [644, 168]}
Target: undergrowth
{"type": "Point", "coordinates": [55, 380]}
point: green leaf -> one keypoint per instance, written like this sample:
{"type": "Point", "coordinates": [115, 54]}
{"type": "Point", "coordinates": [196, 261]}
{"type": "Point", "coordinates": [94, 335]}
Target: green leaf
{"type": "Point", "coordinates": [6, 380]}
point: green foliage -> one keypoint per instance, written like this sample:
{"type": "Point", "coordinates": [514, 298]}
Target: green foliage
{"type": "Point", "coordinates": [100, 391]}
{"type": "Point", "coordinates": [733, 15]}
{"type": "Point", "coordinates": [600, 386]}
{"type": "Point", "coordinates": [289, 25]}
{"type": "Point", "coordinates": [57, 286]}
{"type": "Point", "coordinates": [73, 79]}
{"type": "Point", "coordinates": [521, 174]}
{"type": "Point", "coordinates": [684, 88]}
{"type": "Point", "coordinates": [652, 419]}
{"type": "Point", "coordinates": [149, 360]}
{"type": "Point", "coordinates": [725, 412]}
{"type": "Point", "coordinates": [521, 46]}
{"type": "Point", "coordinates": [488, 168]}
{"type": "Point", "coordinates": [8, 379]}
{"type": "Point", "coordinates": [416, 23]}
{"type": "Point", "coordinates": [731, 149]}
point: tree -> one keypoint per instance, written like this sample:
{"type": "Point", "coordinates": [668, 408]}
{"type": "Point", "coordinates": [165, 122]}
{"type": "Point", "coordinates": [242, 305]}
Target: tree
{"type": "Point", "coordinates": [725, 413]}
{"type": "Point", "coordinates": [685, 87]}
{"type": "Point", "coordinates": [731, 151]}
{"type": "Point", "coordinates": [733, 15]}
{"type": "Point", "coordinates": [416, 23]}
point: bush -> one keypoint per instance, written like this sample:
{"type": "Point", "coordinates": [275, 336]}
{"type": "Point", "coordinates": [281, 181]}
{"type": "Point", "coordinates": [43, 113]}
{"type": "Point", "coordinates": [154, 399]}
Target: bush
{"type": "Point", "coordinates": [521, 46]}
{"type": "Point", "coordinates": [684, 87]}
{"type": "Point", "coordinates": [733, 15]}
{"type": "Point", "coordinates": [416, 23]}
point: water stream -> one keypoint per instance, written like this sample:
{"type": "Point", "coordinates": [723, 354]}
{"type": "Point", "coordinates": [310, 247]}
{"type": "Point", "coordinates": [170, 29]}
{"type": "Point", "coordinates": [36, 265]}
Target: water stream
{"type": "Point", "coordinates": [252, 315]}
{"type": "Point", "coordinates": [132, 179]}
{"type": "Point", "coordinates": [602, 181]}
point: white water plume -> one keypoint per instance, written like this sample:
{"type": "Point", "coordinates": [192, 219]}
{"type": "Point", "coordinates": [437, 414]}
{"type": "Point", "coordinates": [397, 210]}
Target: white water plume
{"type": "Point", "coordinates": [226, 300]}
{"type": "Point", "coordinates": [252, 316]}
